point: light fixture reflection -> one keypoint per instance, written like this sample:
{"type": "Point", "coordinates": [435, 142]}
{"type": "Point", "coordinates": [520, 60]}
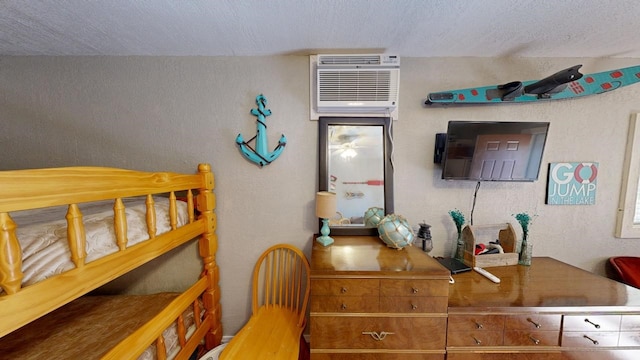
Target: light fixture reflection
{"type": "Point", "coordinates": [348, 154]}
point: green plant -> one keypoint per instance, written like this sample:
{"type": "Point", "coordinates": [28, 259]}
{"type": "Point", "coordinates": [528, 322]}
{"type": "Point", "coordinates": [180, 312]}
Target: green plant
{"type": "Point", "coordinates": [525, 253]}
{"type": "Point", "coordinates": [458, 219]}
{"type": "Point", "coordinates": [525, 220]}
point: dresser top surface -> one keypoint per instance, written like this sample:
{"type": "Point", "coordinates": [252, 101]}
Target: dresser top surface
{"type": "Point", "coordinates": [369, 256]}
{"type": "Point", "coordinates": [547, 283]}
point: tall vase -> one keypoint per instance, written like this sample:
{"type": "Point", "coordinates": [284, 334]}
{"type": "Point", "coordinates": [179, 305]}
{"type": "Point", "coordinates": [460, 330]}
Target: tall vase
{"type": "Point", "coordinates": [459, 254]}
{"type": "Point", "coordinates": [526, 251]}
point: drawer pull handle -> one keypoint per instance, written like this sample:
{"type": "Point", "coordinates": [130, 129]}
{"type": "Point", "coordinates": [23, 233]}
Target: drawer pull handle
{"type": "Point", "coordinates": [343, 307]}
{"type": "Point", "coordinates": [595, 342]}
{"type": "Point", "coordinates": [414, 290]}
{"type": "Point", "coordinates": [377, 336]}
{"type": "Point", "coordinates": [537, 325]}
{"type": "Point", "coordinates": [414, 306]}
{"type": "Point", "coordinates": [592, 323]}
{"type": "Point", "coordinates": [535, 341]}
{"type": "Point", "coordinates": [343, 290]}
{"type": "Point", "coordinates": [478, 342]}
{"type": "Point", "coordinates": [479, 326]}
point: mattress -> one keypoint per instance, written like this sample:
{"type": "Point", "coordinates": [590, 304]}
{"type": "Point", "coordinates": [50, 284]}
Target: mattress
{"type": "Point", "coordinates": [88, 327]}
{"type": "Point", "coordinates": [42, 233]}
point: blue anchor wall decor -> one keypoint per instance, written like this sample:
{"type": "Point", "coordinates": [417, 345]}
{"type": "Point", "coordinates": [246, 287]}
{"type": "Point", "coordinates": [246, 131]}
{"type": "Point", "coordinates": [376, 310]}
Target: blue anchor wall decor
{"type": "Point", "coordinates": [260, 155]}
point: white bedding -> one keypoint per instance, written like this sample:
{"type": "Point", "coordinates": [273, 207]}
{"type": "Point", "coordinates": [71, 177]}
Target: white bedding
{"type": "Point", "coordinates": [42, 233]}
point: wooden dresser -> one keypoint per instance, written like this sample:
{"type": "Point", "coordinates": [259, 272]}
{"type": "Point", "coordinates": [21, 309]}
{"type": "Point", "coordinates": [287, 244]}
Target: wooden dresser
{"type": "Point", "coordinates": [370, 302]}
{"type": "Point", "coordinates": [549, 310]}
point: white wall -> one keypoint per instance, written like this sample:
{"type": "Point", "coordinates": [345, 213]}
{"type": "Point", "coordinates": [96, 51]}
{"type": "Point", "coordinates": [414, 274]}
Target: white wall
{"type": "Point", "coordinates": [170, 113]}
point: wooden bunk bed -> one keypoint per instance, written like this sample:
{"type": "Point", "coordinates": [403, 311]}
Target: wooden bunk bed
{"type": "Point", "coordinates": [35, 318]}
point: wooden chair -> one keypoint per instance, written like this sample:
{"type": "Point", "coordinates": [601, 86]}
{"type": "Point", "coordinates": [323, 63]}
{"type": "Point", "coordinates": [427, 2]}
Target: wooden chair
{"type": "Point", "coordinates": [281, 288]}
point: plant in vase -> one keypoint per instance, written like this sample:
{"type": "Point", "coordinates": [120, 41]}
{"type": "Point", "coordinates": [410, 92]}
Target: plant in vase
{"type": "Point", "coordinates": [526, 247]}
{"type": "Point", "coordinates": [458, 219]}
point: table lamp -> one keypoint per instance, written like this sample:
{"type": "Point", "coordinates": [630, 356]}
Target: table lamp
{"type": "Point", "coordinates": [325, 208]}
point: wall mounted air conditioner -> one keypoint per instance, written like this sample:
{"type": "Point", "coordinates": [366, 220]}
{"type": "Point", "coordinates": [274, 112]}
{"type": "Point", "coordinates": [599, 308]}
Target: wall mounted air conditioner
{"type": "Point", "coordinates": [362, 84]}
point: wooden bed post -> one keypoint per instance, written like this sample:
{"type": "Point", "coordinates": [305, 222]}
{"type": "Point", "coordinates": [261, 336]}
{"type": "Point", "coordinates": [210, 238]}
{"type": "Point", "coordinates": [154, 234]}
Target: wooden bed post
{"type": "Point", "coordinates": [208, 246]}
{"type": "Point", "coordinates": [10, 256]}
{"type": "Point", "coordinates": [76, 235]}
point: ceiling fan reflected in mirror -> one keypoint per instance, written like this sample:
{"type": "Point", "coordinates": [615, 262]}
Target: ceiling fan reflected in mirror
{"type": "Point", "coordinates": [346, 140]}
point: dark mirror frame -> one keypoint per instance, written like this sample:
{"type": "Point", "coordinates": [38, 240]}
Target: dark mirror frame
{"type": "Point", "coordinates": [324, 156]}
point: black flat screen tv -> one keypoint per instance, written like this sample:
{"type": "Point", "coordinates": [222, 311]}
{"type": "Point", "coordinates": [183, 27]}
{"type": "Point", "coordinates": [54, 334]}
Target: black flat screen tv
{"type": "Point", "coordinates": [494, 150]}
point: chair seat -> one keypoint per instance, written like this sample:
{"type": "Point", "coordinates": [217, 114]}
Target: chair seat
{"type": "Point", "coordinates": [626, 269]}
{"type": "Point", "coordinates": [272, 333]}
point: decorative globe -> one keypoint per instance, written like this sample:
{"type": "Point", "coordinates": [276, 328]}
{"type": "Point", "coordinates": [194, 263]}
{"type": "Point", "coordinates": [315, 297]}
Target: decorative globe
{"type": "Point", "coordinates": [372, 216]}
{"type": "Point", "coordinates": [395, 231]}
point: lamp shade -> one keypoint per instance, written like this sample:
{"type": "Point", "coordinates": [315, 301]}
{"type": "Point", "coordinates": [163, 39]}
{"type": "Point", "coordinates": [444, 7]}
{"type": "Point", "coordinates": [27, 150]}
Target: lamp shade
{"type": "Point", "coordinates": [326, 203]}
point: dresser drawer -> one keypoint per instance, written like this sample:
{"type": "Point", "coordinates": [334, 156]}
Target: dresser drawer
{"type": "Point", "coordinates": [474, 338]}
{"type": "Point", "coordinates": [591, 323]}
{"type": "Point", "coordinates": [531, 338]}
{"type": "Point", "coordinates": [476, 322]}
{"type": "Point", "coordinates": [390, 287]}
{"type": "Point", "coordinates": [410, 304]}
{"type": "Point", "coordinates": [345, 287]}
{"type": "Point", "coordinates": [344, 304]}
{"type": "Point", "coordinates": [533, 322]}
{"type": "Point", "coordinates": [590, 338]}
{"type": "Point", "coordinates": [374, 356]}
{"type": "Point", "coordinates": [356, 332]}
{"type": "Point", "coordinates": [630, 323]}
{"type": "Point", "coordinates": [529, 355]}
{"type": "Point", "coordinates": [629, 338]}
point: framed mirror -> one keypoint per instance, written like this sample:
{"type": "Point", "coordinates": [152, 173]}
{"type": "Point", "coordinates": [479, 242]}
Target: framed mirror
{"type": "Point", "coordinates": [355, 163]}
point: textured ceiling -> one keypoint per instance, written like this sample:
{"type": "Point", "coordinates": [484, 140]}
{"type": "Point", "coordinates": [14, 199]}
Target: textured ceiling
{"type": "Point", "coordinates": [412, 28]}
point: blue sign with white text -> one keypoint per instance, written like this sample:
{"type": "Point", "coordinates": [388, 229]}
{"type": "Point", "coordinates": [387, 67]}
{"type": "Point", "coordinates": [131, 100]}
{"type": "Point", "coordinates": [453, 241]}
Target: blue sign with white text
{"type": "Point", "coordinates": [572, 183]}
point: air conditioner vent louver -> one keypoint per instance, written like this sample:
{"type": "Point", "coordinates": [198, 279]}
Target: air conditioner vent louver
{"type": "Point", "coordinates": [350, 60]}
{"type": "Point", "coordinates": [357, 83]}
{"type": "Point", "coordinates": [354, 86]}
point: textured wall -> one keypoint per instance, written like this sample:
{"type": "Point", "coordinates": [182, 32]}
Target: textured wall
{"type": "Point", "coordinates": [172, 113]}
